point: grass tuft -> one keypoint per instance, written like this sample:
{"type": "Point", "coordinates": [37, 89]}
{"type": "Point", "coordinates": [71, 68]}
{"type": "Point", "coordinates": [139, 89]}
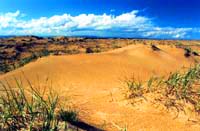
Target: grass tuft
{"type": "Point", "coordinates": [135, 87]}
{"type": "Point", "coordinates": [177, 89]}
{"type": "Point", "coordinates": [30, 109]}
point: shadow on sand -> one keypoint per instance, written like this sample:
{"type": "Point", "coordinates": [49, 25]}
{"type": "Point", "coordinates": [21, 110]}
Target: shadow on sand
{"type": "Point", "coordinates": [82, 126]}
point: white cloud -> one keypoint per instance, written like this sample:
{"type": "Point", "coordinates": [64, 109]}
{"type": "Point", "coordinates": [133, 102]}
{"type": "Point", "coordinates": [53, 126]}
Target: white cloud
{"type": "Point", "coordinates": [168, 31]}
{"type": "Point", "coordinates": [7, 19]}
{"type": "Point", "coordinates": [129, 23]}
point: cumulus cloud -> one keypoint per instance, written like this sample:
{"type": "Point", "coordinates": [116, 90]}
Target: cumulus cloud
{"type": "Point", "coordinates": [128, 24]}
{"type": "Point", "coordinates": [167, 32]}
{"type": "Point", "coordinates": [8, 19]}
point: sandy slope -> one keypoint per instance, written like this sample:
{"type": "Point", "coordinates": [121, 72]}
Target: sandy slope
{"type": "Point", "coordinates": [93, 83]}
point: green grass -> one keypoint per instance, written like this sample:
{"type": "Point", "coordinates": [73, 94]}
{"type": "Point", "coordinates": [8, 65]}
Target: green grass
{"type": "Point", "coordinates": [136, 88]}
{"type": "Point", "coordinates": [182, 83]}
{"type": "Point", "coordinates": [154, 83]}
{"type": "Point", "coordinates": [185, 86]}
{"type": "Point", "coordinates": [31, 109]}
{"type": "Point", "coordinates": [177, 87]}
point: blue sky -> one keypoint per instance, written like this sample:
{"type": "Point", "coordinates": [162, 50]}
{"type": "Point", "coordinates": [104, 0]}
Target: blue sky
{"type": "Point", "coordinates": [176, 19]}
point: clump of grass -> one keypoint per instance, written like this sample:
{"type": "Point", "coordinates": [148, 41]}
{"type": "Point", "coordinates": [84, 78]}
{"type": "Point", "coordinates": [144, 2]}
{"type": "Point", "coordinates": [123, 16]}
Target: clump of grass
{"type": "Point", "coordinates": [69, 115]}
{"type": "Point", "coordinates": [29, 109]}
{"type": "Point", "coordinates": [182, 86]}
{"type": "Point", "coordinates": [153, 83]}
{"type": "Point", "coordinates": [139, 88]}
{"type": "Point", "coordinates": [177, 89]}
{"type": "Point", "coordinates": [136, 88]}
{"type": "Point", "coordinates": [183, 83]}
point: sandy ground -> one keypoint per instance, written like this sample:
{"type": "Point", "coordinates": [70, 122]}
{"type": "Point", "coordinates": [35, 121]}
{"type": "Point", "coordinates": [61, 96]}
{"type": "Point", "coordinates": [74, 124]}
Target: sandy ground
{"type": "Point", "coordinates": [94, 82]}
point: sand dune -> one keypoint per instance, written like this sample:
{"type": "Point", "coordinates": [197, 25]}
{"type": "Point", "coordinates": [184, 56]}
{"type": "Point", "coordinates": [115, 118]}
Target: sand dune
{"type": "Point", "coordinates": [93, 83]}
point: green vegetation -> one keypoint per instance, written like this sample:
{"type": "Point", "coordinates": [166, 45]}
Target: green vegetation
{"type": "Point", "coordinates": [153, 83]}
{"type": "Point", "coordinates": [4, 67]}
{"type": "Point", "coordinates": [184, 86]}
{"type": "Point", "coordinates": [43, 53]}
{"type": "Point", "coordinates": [179, 87]}
{"type": "Point", "coordinates": [31, 109]}
{"type": "Point", "coordinates": [27, 60]}
{"type": "Point", "coordinates": [136, 88]}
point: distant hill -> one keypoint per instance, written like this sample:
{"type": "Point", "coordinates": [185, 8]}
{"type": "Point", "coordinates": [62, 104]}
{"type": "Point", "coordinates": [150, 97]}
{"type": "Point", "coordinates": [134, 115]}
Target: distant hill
{"type": "Point", "coordinates": [93, 37]}
{"type": "Point", "coordinates": [8, 36]}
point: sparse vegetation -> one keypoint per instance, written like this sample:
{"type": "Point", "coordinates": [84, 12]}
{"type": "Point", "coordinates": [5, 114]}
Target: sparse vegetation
{"type": "Point", "coordinates": [18, 51]}
{"type": "Point", "coordinates": [69, 115]}
{"type": "Point", "coordinates": [30, 109]}
{"type": "Point", "coordinates": [153, 83]}
{"type": "Point", "coordinates": [27, 60]}
{"type": "Point", "coordinates": [177, 88]}
{"type": "Point", "coordinates": [183, 86]}
{"type": "Point", "coordinates": [135, 87]}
